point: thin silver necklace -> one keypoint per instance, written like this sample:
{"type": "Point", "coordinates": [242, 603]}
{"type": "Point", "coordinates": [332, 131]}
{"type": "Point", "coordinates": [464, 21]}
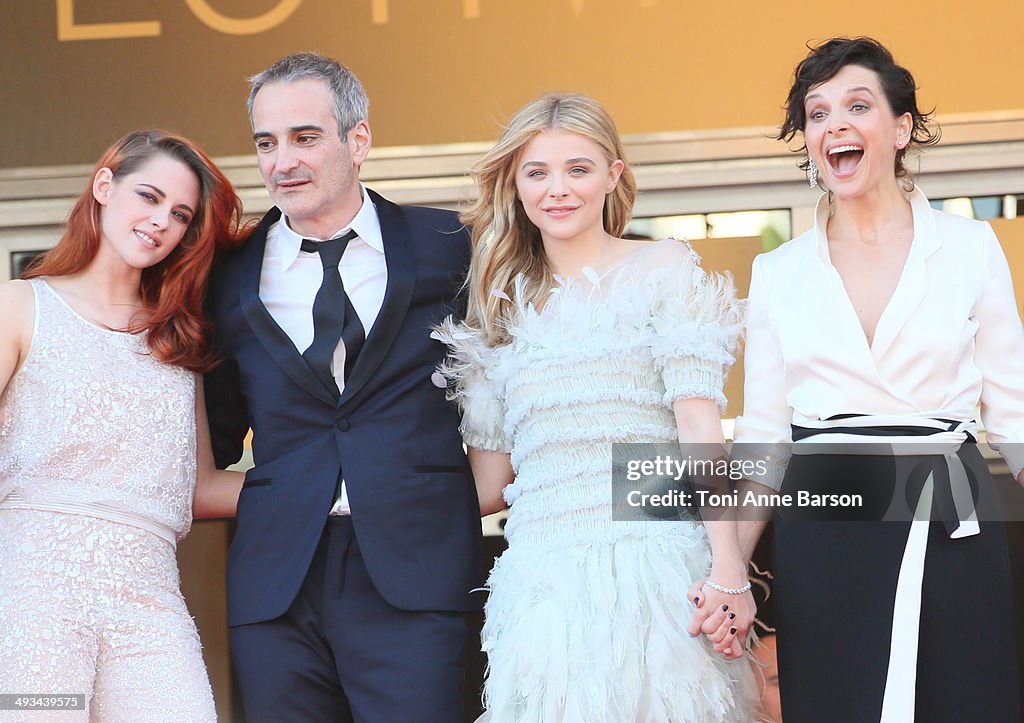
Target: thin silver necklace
{"type": "Point", "coordinates": [607, 245]}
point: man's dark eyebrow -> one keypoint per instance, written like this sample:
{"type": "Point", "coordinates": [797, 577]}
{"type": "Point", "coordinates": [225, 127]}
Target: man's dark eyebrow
{"type": "Point", "coordinates": [294, 129]}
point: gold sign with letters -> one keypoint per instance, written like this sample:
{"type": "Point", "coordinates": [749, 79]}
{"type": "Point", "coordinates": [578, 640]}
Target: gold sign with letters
{"type": "Point", "coordinates": [68, 29]}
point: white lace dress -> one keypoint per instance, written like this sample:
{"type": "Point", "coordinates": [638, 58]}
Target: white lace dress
{"type": "Point", "coordinates": [586, 617]}
{"type": "Point", "coordinates": [97, 469]}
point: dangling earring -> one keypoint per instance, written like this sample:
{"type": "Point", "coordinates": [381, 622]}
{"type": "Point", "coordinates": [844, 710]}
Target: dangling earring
{"type": "Point", "coordinates": [812, 172]}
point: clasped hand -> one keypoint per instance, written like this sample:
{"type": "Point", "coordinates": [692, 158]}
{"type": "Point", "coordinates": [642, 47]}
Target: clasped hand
{"type": "Point", "coordinates": [725, 619]}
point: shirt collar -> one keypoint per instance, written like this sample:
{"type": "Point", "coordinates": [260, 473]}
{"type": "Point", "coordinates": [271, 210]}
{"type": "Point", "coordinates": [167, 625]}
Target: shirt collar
{"type": "Point", "coordinates": [925, 238]}
{"type": "Point", "coordinates": [365, 223]}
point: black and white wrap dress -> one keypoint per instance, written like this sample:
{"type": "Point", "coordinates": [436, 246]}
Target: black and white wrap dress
{"type": "Point", "coordinates": [900, 608]}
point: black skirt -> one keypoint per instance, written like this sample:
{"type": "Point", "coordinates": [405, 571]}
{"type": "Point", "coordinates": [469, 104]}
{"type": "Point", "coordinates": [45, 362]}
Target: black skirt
{"type": "Point", "coordinates": [836, 575]}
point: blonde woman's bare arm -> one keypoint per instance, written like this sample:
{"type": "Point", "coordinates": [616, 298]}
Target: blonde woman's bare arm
{"type": "Point", "coordinates": [492, 472]}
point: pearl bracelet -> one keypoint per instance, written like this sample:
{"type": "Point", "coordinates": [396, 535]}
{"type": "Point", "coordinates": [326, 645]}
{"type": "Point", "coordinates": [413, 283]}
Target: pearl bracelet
{"type": "Point", "coordinates": [727, 590]}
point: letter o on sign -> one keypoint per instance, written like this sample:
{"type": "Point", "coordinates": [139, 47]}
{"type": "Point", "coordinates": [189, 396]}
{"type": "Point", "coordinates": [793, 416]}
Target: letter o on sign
{"type": "Point", "coordinates": [248, 26]}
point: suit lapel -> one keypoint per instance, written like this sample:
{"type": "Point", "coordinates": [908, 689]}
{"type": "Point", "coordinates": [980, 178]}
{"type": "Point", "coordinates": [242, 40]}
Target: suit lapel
{"type": "Point", "coordinates": [401, 263]}
{"type": "Point", "coordinates": [913, 284]}
{"type": "Point", "coordinates": [278, 345]}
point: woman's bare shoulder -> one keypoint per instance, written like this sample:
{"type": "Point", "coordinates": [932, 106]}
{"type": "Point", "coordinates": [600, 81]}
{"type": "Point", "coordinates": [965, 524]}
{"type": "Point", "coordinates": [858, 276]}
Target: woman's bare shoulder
{"type": "Point", "coordinates": [16, 296]}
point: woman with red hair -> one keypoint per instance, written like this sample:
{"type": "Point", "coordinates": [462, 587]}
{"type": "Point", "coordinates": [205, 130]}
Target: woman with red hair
{"type": "Point", "coordinates": [104, 450]}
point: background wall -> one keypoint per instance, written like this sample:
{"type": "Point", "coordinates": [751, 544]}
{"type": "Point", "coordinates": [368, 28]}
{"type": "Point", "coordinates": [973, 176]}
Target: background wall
{"type": "Point", "coordinates": [80, 73]}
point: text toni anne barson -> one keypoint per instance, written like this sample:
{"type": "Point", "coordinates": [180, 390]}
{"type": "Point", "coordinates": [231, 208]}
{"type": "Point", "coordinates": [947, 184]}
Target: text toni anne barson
{"type": "Point", "coordinates": [750, 499]}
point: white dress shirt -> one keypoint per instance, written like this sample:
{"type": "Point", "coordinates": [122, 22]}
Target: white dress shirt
{"type": "Point", "coordinates": [291, 278]}
{"type": "Point", "coordinates": [949, 339]}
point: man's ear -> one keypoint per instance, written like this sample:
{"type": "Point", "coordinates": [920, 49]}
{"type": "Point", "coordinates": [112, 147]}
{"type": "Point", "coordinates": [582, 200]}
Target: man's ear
{"type": "Point", "coordinates": [359, 141]}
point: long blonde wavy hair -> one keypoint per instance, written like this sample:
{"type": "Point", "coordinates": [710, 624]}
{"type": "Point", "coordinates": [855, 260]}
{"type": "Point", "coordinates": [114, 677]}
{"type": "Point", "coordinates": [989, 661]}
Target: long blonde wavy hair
{"type": "Point", "coordinates": [508, 261]}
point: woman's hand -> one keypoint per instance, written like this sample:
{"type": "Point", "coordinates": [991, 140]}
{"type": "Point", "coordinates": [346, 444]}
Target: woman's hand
{"type": "Point", "coordinates": [726, 619]}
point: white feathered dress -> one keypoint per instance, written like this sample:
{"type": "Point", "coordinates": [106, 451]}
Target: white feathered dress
{"type": "Point", "coordinates": [586, 617]}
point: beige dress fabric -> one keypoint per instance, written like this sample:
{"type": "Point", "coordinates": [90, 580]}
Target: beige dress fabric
{"type": "Point", "coordinates": [97, 471]}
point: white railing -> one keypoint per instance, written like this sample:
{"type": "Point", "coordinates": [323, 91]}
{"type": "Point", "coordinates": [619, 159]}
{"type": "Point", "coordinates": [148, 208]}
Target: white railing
{"type": "Point", "coordinates": [678, 173]}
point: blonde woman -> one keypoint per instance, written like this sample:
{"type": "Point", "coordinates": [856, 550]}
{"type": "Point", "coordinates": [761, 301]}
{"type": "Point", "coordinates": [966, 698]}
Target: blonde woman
{"type": "Point", "coordinates": [576, 339]}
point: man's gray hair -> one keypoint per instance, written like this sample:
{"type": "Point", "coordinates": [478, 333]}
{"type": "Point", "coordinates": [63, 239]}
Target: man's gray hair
{"type": "Point", "coordinates": [350, 102]}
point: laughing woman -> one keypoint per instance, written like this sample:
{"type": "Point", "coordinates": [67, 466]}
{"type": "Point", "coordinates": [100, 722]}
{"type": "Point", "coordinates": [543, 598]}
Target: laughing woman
{"type": "Point", "coordinates": [887, 324]}
{"type": "Point", "coordinates": [577, 339]}
{"type": "Point", "coordinates": [104, 453]}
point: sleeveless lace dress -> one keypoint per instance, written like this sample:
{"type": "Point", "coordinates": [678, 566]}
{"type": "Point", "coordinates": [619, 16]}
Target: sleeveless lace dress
{"type": "Point", "coordinates": [586, 617]}
{"type": "Point", "coordinates": [97, 470]}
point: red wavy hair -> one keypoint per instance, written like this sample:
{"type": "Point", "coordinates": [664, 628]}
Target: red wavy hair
{"type": "Point", "coordinates": [172, 290]}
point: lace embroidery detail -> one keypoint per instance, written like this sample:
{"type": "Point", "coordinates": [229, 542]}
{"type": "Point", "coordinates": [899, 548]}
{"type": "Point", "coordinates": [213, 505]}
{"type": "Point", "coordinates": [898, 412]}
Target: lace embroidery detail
{"type": "Point", "coordinates": [92, 607]}
{"type": "Point", "coordinates": [93, 418]}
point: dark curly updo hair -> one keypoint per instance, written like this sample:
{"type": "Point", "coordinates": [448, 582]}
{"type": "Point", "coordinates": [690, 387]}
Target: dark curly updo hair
{"type": "Point", "coordinates": [826, 60]}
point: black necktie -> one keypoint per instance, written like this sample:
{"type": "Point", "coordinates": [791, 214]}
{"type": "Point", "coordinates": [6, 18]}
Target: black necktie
{"type": "Point", "coordinates": [334, 317]}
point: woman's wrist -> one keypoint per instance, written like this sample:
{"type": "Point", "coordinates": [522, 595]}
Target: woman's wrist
{"type": "Point", "coordinates": [731, 574]}
{"type": "Point", "coordinates": [738, 590]}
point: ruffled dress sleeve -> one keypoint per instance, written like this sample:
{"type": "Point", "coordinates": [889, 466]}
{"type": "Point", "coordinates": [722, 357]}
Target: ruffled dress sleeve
{"type": "Point", "coordinates": [473, 384]}
{"type": "Point", "coordinates": [697, 321]}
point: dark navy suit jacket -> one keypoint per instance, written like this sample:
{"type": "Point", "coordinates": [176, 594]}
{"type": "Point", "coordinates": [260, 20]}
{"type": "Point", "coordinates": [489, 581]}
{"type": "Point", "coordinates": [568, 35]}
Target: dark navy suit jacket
{"type": "Point", "coordinates": [392, 434]}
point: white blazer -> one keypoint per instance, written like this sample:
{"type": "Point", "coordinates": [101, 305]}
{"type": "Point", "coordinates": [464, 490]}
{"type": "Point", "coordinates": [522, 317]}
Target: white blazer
{"type": "Point", "coordinates": [949, 339]}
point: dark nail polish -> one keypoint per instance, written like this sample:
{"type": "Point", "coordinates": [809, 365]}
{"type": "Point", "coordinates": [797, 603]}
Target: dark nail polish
{"type": "Point", "coordinates": [732, 616]}
{"type": "Point", "coordinates": [732, 631]}
{"type": "Point", "coordinates": [724, 608]}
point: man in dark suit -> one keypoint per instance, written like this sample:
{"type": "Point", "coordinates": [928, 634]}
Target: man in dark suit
{"type": "Point", "coordinates": [358, 537]}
